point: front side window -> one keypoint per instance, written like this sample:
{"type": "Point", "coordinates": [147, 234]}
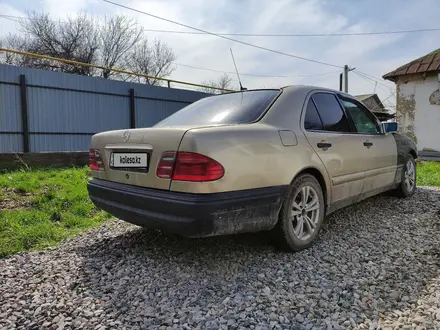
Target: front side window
{"type": "Point", "coordinates": [224, 109]}
{"type": "Point", "coordinates": [363, 120]}
{"type": "Point", "coordinates": [330, 111]}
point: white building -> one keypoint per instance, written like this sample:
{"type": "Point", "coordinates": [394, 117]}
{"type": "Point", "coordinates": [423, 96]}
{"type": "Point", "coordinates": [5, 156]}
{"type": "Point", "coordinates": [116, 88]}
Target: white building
{"type": "Point", "coordinates": [418, 100]}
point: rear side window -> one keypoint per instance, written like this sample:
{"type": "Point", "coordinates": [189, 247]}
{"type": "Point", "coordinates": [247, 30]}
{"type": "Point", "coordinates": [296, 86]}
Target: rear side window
{"type": "Point", "coordinates": [332, 116]}
{"type": "Point", "coordinates": [312, 120]}
{"type": "Point", "coordinates": [233, 108]}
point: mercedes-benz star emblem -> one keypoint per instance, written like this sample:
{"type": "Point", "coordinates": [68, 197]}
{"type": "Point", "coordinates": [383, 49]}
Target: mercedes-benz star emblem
{"type": "Point", "coordinates": [126, 136]}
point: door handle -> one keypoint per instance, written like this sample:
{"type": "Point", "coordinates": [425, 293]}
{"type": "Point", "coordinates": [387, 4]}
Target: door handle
{"type": "Point", "coordinates": [368, 144]}
{"type": "Point", "coordinates": [323, 145]}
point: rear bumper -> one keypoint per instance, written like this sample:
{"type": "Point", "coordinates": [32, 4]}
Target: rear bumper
{"type": "Point", "coordinates": [190, 215]}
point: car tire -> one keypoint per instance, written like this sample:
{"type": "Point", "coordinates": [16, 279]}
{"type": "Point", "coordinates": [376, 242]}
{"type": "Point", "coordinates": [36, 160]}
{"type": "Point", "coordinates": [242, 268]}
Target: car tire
{"type": "Point", "coordinates": [289, 234]}
{"type": "Point", "coordinates": [408, 183]}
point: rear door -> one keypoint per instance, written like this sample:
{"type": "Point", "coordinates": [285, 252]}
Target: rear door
{"type": "Point", "coordinates": [330, 134]}
{"type": "Point", "coordinates": [380, 151]}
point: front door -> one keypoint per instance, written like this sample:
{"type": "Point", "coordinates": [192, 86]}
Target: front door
{"type": "Point", "coordinates": [379, 149]}
{"type": "Point", "coordinates": [330, 134]}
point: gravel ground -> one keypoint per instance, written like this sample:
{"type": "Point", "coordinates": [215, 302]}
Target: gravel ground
{"type": "Point", "coordinates": [372, 268]}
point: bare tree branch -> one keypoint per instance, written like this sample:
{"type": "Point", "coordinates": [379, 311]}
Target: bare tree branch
{"type": "Point", "coordinates": [118, 36]}
{"type": "Point", "coordinates": [224, 82]}
{"type": "Point", "coordinates": [14, 41]}
{"type": "Point", "coordinates": [76, 40]}
{"type": "Point", "coordinates": [116, 43]}
{"type": "Point", "coordinates": [156, 60]}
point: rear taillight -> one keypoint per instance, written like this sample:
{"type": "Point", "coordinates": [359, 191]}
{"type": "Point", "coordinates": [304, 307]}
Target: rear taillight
{"type": "Point", "coordinates": [95, 160]}
{"type": "Point", "coordinates": [165, 167]}
{"type": "Point", "coordinates": [189, 166]}
{"type": "Point", "coordinates": [195, 167]}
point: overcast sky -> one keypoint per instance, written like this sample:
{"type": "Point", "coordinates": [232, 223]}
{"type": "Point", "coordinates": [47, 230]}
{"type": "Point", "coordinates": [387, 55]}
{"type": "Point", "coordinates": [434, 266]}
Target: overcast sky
{"type": "Point", "coordinates": [374, 54]}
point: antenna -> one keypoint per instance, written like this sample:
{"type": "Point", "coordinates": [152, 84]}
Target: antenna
{"type": "Point", "coordinates": [238, 76]}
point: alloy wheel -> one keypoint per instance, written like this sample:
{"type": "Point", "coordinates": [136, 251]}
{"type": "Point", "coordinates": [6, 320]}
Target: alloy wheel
{"type": "Point", "coordinates": [305, 213]}
{"type": "Point", "coordinates": [410, 176]}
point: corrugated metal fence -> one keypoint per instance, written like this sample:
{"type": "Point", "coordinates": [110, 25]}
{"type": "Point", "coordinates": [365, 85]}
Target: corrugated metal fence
{"type": "Point", "coordinates": [430, 155]}
{"type": "Point", "coordinates": [50, 111]}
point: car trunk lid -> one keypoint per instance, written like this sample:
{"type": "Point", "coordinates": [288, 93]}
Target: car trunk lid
{"type": "Point", "coordinates": [131, 156]}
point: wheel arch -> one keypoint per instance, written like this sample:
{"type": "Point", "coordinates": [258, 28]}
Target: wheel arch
{"type": "Point", "coordinates": [317, 174]}
{"type": "Point", "coordinates": [413, 153]}
{"type": "Point", "coordinates": [405, 146]}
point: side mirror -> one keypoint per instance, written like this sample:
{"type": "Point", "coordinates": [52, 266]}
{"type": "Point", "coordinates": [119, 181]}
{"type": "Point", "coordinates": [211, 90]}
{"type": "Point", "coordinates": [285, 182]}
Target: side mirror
{"type": "Point", "coordinates": [389, 127]}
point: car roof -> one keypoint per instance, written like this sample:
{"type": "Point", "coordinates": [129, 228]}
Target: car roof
{"type": "Point", "coordinates": [300, 88]}
{"type": "Point", "coordinates": [308, 88]}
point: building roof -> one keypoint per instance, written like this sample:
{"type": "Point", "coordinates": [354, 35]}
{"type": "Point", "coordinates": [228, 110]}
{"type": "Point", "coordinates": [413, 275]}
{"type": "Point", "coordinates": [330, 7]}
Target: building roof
{"type": "Point", "coordinates": [363, 97]}
{"type": "Point", "coordinates": [367, 99]}
{"type": "Point", "coordinates": [375, 105]}
{"type": "Point", "coordinates": [428, 63]}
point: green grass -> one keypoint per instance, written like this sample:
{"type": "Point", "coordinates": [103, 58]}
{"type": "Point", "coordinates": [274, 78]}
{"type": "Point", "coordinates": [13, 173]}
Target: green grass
{"type": "Point", "coordinates": [44, 206]}
{"type": "Point", "coordinates": [428, 174]}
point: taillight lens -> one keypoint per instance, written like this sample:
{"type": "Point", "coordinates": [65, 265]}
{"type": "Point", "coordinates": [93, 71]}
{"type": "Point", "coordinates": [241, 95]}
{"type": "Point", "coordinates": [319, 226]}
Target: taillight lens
{"type": "Point", "coordinates": [95, 160]}
{"type": "Point", "coordinates": [189, 166]}
{"type": "Point", "coordinates": [195, 167]}
{"type": "Point", "coordinates": [165, 167]}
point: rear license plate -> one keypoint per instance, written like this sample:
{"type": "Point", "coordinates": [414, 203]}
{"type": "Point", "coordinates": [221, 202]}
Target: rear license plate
{"type": "Point", "coordinates": [132, 159]}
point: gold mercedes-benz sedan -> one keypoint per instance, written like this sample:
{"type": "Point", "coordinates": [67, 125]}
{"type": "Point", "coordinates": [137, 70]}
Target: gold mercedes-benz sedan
{"type": "Point", "coordinates": [276, 160]}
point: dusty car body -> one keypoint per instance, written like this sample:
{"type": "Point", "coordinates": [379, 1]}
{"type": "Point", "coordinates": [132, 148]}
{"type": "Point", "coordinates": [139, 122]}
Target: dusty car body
{"type": "Point", "coordinates": [274, 160]}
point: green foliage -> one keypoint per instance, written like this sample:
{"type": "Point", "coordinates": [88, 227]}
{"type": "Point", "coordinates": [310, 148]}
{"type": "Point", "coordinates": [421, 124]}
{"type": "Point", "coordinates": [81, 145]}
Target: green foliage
{"type": "Point", "coordinates": [428, 174]}
{"type": "Point", "coordinates": [45, 206]}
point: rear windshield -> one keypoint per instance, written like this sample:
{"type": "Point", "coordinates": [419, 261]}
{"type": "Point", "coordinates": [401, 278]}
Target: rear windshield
{"type": "Point", "coordinates": [233, 108]}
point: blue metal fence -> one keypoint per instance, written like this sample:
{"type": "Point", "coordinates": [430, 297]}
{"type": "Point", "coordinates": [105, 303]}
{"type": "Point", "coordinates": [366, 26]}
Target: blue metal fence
{"type": "Point", "coordinates": [51, 111]}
